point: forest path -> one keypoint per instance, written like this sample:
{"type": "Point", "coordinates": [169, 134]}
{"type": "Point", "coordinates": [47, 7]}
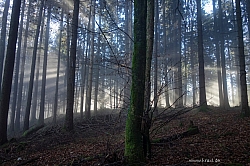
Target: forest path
{"type": "Point", "coordinates": [224, 138]}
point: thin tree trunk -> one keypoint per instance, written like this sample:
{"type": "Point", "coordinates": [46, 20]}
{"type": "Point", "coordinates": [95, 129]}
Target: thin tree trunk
{"type": "Point", "coordinates": [223, 61]}
{"type": "Point", "coordinates": [35, 94]}
{"type": "Point", "coordinates": [8, 71]}
{"type": "Point", "coordinates": [155, 58]}
{"type": "Point", "coordinates": [97, 69]}
{"type": "Point", "coordinates": [90, 75]}
{"type": "Point", "coordinates": [20, 88]}
{"type": "Point", "coordinates": [45, 58]}
{"type": "Point", "coordinates": [29, 97]}
{"type": "Point", "coordinates": [58, 70]}
{"type": "Point", "coordinates": [221, 99]}
{"type": "Point", "coordinates": [165, 53]}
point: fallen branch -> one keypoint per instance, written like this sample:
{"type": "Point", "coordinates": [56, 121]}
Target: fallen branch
{"type": "Point", "coordinates": [28, 161]}
{"type": "Point", "coordinates": [191, 131]}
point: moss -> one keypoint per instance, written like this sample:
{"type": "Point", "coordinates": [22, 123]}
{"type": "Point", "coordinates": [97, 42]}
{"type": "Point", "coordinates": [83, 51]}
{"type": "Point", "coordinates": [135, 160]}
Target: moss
{"type": "Point", "coordinates": [203, 108]}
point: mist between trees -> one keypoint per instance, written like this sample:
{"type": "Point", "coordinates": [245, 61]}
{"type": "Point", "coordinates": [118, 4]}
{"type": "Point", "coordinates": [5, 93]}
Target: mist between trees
{"type": "Point", "coordinates": [80, 59]}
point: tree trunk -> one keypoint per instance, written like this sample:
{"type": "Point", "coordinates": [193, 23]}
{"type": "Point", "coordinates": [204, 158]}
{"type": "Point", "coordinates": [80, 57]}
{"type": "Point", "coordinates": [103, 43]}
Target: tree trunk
{"type": "Point", "coordinates": [8, 71]}
{"type": "Point", "coordinates": [165, 54]}
{"type": "Point", "coordinates": [221, 100]}
{"type": "Point", "coordinates": [91, 59]}
{"type": "Point", "coordinates": [3, 38]}
{"type": "Point", "coordinates": [149, 52]}
{"type": "Point", "coordinates": [203, 101]}
{"type": "Point", "coordinates": [71, 72]}
{"type": "Point", "coordinates": [13, 107]}
{"type": "Point", "coordinates": [155, 58]}
{"type": "Point", "coordinates": [20, 88]}
{"type": "Point", "coordinates": [243, 84]}
{"type": "Point", "coordinates": [29, 97]}
{"type": "Point", "coordinates": [35, 94]}
{"type": "Point", "coordinates": [45, 58]}
{"type": "Point", "coordinates": [58, 70]}
{"type": "Point", "coordinates": [223, 61]}
{"type": "Point", "coordinates": [133, 137]}
{"type": "Point", "coordinates": [97, 72]}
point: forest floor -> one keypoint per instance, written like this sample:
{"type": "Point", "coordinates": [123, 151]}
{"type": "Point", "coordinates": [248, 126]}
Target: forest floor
{"type": "Point", "coordinates": [223, 139]}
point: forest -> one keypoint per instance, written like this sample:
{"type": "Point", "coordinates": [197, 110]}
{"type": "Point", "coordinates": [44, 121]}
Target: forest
{"type": "Point", "coordinates": [124, 82]}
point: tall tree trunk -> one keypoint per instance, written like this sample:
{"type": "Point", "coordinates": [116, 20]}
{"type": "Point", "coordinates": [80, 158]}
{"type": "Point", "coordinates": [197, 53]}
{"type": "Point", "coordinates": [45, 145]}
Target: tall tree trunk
{"type": "Point", "coordinates": [221, 99]}
{"type": "Point", "coordinates": [97, 72]}
{"type": "Point", "coordinates": [147, 108]}
{"type": "Point", "coordinates": [8, 71]}
{"type": "Point", "coordinates": [20, 88]}
{"type": "Point", "coordinates": [243, 84]}
{"type": "Point", "coordinates": [45, 58]}
{"type": "Point", "coordinates": [133, 137]}
{"type": "Point", "coordinates": [155, 58]}
{"type": "Point", "coordinates": [35, 94]}
{"type": "Point", "coordinates": [179, 62]}
{"type": "Point", "coordinates": [3, 38]}
{"type": "Point", "coordinates": [165, 54]}
{"type": "Point", "coordinates": [71, 72]}
{"type": "Point", "coordinates": [223, 61]}
{"type": "Point", "coordinates": [29, 97]}
{"type": "Point", "coordinates": [58, 70]}
{"type": "Point", "coordinates": [203, 101]}
{"type": "Point", "coordinates": [13, 107]}
{"type": "Point", "coordinates": [91, 59]}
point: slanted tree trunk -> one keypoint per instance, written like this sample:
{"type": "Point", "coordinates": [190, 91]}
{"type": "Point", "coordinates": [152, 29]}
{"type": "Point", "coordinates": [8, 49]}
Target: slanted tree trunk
{"type": "Point", "coordinates": [58, 70]}
{"type": "Point", "coordinates": [32, 73]}
{"type": "Point", "coordinates": [203, 101]}
{"type": "Point", "coordinates": [3, 38]}
{"type": "Point", "coordinates": [8, 71]}
{"type": "Point", "coordinates": [133, 137]}
{"type": "Point", "coordinates": [243, 84]}
{"type": "Point", "coordinates": [71, 72]}
{"type": "Point", "coordinates": [13, 107]}
{"type": "Point", "coordinates": [20, 88]}
{"type": "Point", "coordinates": [45, 58]}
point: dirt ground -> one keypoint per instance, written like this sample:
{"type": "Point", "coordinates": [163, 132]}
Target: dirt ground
{"type": "Point", "coordinates": [223, 139]}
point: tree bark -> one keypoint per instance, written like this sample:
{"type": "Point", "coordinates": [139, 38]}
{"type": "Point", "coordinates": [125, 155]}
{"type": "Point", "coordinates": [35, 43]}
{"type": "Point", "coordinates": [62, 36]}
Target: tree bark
{"type": "Point", "coordinates": [29, 97]}
{"type": "Point", "coordinates": [8, 71]}
{"type": "Point", "coordinates": [20, 88]}
{"type": "Point", "coordinates": [45, 58]}
{"type": "Point", "coordinates": [203, 101]}
{"type": "Point", "coordinates": [91, 61]}
{"type": "Point", "coordinates": [14, 101]}
{"type": "Point", "coordinates": [3, 38]}
{"type": "Point", "coordinates": [243, 84]}
{"type": "Point", "coordinates": [71, 72]}
{"type": "Point", "coordinates": [133, 137]}
{"type": "Point", "coordinates": [223, 61]}
{"type": "Point", "coordinates": [35, 94]}
{"type": "Point", "coordinates": [58, 70]}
